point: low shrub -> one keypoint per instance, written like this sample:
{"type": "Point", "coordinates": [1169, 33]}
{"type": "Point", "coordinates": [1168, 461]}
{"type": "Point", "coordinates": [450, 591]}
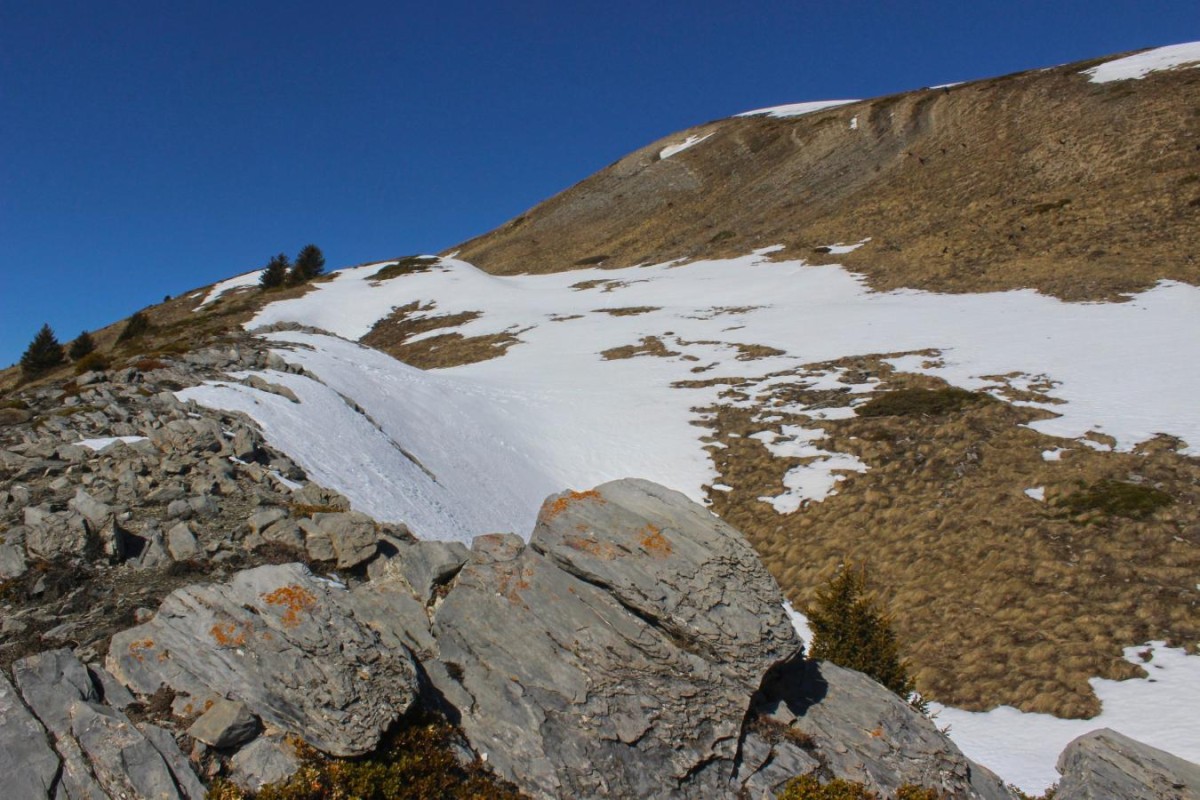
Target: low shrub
{"type": "Point", "coordinates": [1117, 499]}
{"type": "Point", "coordinates": [138, 325]}
{"type": "Point", "coordinates": [416, 761]}
{"type": "Point", "coordinates": [807, 787]}
{"type": "Point", "coordinates": [919, 402]}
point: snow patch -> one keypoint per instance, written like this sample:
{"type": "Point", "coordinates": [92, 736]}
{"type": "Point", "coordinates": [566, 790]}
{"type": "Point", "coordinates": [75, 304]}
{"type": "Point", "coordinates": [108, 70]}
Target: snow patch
{"type": "Point", "coordinates": [1160, 710]}
{"type": "Point", "coordinates": [796, 109]}
{"type": "Point", "coordinates": [105, 441]}
{"type": "Point", "coordinates": [1053, 455]}
{"type": "Point", "coordinates": [1036, 493]}
{"type": "Point", "coordinates": [247, 281]}
{"type": "Point", "coordinates": [841, 249]}
{"type": "Point", "coordinates": [1136, 67]}
{"type": "Point", "coordinates": [673, 149]}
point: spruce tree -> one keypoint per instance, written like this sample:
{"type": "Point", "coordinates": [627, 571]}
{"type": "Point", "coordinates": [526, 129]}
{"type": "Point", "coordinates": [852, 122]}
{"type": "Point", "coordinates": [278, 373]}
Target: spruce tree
{"type": "Point", "coordinates": [275, 273]}
{"type": "Point", "coordinates": [310, 262]}
{"type": "Point", "coordinates": [851, 630]}
{"type": "Point", "coordinates": [80, 346]}
{"type": "Point", "coordinates": [43, 353]}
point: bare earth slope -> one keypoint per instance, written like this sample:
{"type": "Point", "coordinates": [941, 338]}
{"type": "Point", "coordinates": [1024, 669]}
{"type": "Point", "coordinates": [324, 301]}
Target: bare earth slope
{"type": "Point", "coordinates": [1040, 179]}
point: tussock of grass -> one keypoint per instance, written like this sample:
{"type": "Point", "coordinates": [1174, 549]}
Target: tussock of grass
{"type": "Point", "coordinates": [1118, 499]}
{"type": "Point", "coordinates": [919, 402]}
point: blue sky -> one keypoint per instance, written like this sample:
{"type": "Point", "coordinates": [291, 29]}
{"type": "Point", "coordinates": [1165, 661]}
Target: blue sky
{"type": "Point", "coordinates": [147, 148]}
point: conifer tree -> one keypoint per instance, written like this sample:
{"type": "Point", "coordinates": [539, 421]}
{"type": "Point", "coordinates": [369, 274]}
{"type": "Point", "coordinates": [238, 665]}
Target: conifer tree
{"type": "Point", "coordinates": [275, 273]}
{"type": "Point", "coordinates": [851, 630]}
{"type": "Point", "coordinates": [80, 346]}
{"type": "Point", "coordinates": [310, 262]}
{"type": "Point", "coordinates": [43, 353]}
{"type": "Point", "coordinates": [137, 325]}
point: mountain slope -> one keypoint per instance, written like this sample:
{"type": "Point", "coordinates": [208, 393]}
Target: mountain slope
{"type": "Point", "coordinates": [807, 374]}
{"type": "Point", "coordinates": [1043, 179]}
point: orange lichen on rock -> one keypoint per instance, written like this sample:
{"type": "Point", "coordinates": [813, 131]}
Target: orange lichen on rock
{"type": "Point", "coordinates": [604, 550]}
{"type": "Point", "coordinates": [653, 541]}
{"type": "Point", "coordinates": [136, 648]}
{"type": "Point", "coordinates": [228, 634]}
{"type": "Point", "coordinates": [295, 601]}
{"type": "Point", "coordinates": [560, 504]}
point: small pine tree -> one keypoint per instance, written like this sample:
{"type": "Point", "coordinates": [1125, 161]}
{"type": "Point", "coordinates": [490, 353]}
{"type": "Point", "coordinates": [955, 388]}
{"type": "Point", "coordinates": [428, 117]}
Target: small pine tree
{"type": "Point", "coordinates": [137, 325]}
{"type": "Point", "coordinates": [310, 263]}
{"type": "Point", "coordinates": [80, 346]}
{"type": "Point", "coordinates": [43, 353]}
{"type": "Point", "coordinates": [275, 273]}
{"type": "Point", "coordinates": [851, 630]}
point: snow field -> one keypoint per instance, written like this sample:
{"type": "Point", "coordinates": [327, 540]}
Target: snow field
{"type": "Point", "coordinates": [1136, 67]}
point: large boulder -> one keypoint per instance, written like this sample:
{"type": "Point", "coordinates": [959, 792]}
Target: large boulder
{"type": "Point", "coordinates": [616, 655]}
{"type": "Point", "coordinates": [1105, 764]}
{"type": "Point", "coordinates": [283, 642]}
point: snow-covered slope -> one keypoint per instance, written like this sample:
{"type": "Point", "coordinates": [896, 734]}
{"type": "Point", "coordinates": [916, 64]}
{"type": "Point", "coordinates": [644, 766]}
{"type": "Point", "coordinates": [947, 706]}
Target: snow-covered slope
{"type": "Point", "coordinates": [495, 437]}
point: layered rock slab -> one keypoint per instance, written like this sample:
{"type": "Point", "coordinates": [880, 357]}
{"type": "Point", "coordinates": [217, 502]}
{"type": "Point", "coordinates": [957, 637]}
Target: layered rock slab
{"type": "Point", "coordinates": [1104, 764]}
{"type": "Point", "coordinates": [283, 642]}
{"type": "Point", "coordinates": [616, 654]}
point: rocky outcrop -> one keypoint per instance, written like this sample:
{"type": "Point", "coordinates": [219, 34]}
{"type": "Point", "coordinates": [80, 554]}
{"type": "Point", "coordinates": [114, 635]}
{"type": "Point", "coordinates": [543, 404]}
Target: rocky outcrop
{"type": "Point", "coordinates": [75, 745]}
{"type": "Point", "coordinates": [1106, 764]}
{"type": "Point", "coordinates": [634, 647]}
{"type": "Point", "coordinates": [284, 643]}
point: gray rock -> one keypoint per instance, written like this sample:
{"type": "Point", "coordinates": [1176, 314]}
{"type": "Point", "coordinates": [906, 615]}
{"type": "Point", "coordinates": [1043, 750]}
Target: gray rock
{"type": "Point", "coordinates": [181, 542]}
{"type": "Point", "coordinates": [264, 519]}
{"type": "Point", "coordinates": [94, 511]}
{"type": "Point", "coordinates": [1105, 764]}
{"type": "Point", "coordinates": [58, 535]}
{"type": "Point", "coordinates": [30, 768]}
{"type": "Point", "coordinates": [50, 682]}
{"type": "Point", "coordinates": [285, 643]}
{"type": "Point", "coordinates": [561, 677]}
{"type": "Point", "coordinates": [123, 761]}
{"type": "Point", "coordinates": [227, 723]}
{"type": "Point", "coordinates": [154, 550]}
{"type": "Point", "coordinates": [268, 759]}
{"type": "Point", "coordinates": [285, 532]}
{"type": "Point", "coordinates": [425, 565]}
{"type": "Point", "coordinates": [863, 732]}
{"type": "Point", "coordinates": [112, 691]}
{"type": "Point", "coordinates": [185, 777]}
{"type": "Point", "coordinates": [317, 543]}
{"type": "Point", "coordinates": [353, 536]}
{"type": "Point", "coordinates": [12, 553]}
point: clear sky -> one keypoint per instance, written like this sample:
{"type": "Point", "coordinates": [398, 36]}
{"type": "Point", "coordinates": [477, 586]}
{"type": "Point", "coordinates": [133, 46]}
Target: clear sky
{"type": "Point", "coordinates": [147, 148]}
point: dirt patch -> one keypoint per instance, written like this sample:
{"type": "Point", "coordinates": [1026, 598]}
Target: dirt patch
{"type": "Point", "coordinates": [998, 598]}
{"type": "Point", "coordinates": [394, 335]}
{"type": "Point", "coordinates": [649, 346]}
{"type": "Point", "coordinates": [628, 311]}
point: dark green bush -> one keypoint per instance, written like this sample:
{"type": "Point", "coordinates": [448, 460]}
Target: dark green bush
{"type": "Point", "coordinates": [1117, 499]}
{"type": "Point", "coordinates": [43, 354]}
{"type": "Point", "coordinates": [919, 402]}
{"type": "Point", "coordinates": [275, 274]}
{"type": "Point", "coordinates": [851, 630]}
{"type": "Point", "coordinates": [310, 262]}
{"type": "Point", "coordinates": [138, 325]}
{"type": "Point", "coordinates": [80, 346]}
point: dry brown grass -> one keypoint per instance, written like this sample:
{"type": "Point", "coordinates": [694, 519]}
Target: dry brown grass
{"type": "Point", "coordinates": [649, 346]}
{"type": "Point", "coordinates": [998, 598]}
{"type": "Point", "coordinates": [393, 335]}
{"type": "Point", "coordinates": [1039, 179]}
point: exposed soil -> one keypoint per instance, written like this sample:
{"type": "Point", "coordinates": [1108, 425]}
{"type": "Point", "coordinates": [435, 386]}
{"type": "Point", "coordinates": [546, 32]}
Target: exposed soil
{"type": "Point", "coordinates": [394, 333]}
